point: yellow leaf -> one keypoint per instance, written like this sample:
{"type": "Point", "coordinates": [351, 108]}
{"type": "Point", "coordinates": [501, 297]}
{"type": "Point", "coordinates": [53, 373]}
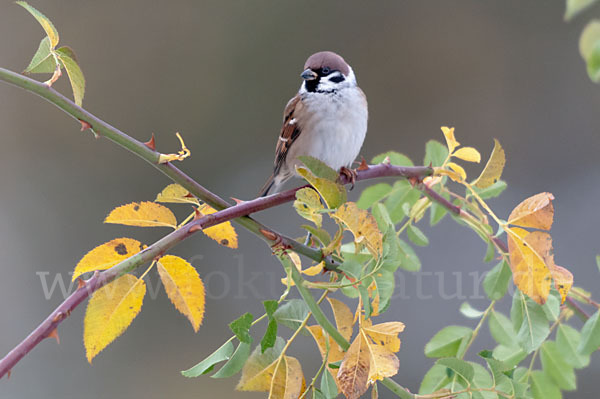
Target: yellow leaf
{"type": "Point", "coordinates": [335, 353]}
{"type": "Point", "coordinates": [184, 287]}
{"type": "Point", "coordinates": [223, 233]}
{"type": "Point", "coordinates": [458, 170]}
{"type": "Point", "coordinates": [295, 258]}
{"type": "Point", "coordinates": [468, 154]}
{"type": "Point", "coordinates": [288, 382]}
{"type": "Point", "coordinates": [333, 193]}
{"type": "Point", "coordinates": [536, 212]}
{"type": "Point", "coordinates": [493, 169]}
{"type": "Point", "coordinates": [527, 252]}
{"type": "Point", "coordinates": [142, 214]}
{"type": "Point", "coordinates": [450, 140]}
{"type": "Point", "coordinates": [110, 311]}
{"type": "Point", "coordinates": [563, 279]}
{"type": "Point", "coordinates": [107, 255]}
{"type": "Point", "coordinates": [382, 361]}
{"type": "Point", "coordinates": [314, 270]}
{"type": "Point", "coordinates": [174, 193]}
{"type": "Point", "coordinates": [44, 21]}
{"type": "Point", "coordinates": [386, 334]}
{"type": "Point", "coordinates": [362, 225]}
{"type": "Point", "coordinates": [353, 375]}
{"type": "Point", "coordinates": [344, 319]}
{"type": "Point", "coordinates": [445, 172]}
{"type": "Point", "coordinates": [308, 204]}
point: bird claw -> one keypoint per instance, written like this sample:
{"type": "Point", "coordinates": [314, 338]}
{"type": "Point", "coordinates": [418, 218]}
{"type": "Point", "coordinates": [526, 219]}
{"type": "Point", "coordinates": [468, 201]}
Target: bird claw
{"type": "Point", "coordinates": [349, 174]}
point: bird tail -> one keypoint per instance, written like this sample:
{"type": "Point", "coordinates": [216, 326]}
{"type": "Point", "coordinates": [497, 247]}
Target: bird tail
{"type": "Point", "coordinates": [264, 191]}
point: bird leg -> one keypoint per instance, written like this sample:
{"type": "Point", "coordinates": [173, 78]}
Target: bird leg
{"type": "Point", "coordinates": [349, 174]}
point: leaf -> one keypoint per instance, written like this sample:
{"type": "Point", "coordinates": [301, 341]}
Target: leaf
{"type": "Point", "coordinates": [589, 48]}
{"type": "Point", "coordinates": [527, 251]}
{"type": "Point", "coordinates": [110, 310]}
{"type": "Point", "coordinates": [107, 255]}
{"type": "Point", "coordinates": [555, 366]}
{"type": "Point", "coordinates": [308, 205]}
{"type": "Point", "coordinates": [567, 341]}
{"type": "Point", "coordinates": [320, 234]}
{"type": "Point", "coordinates": [417, 236]}
{"type": "Point", "coordinates": [534, 329]}
{"type": "Point", "coordinates": [176, 194]}
{"type": "Point", "coordinates": [536, 212]}
{"type": "Point", "coordinates": [323, 341]}
{"type": "Point", "coordinates": [492, 191]}
{"type": "Point", "coordinates": [410, 260]}
{"type": "Point", "coordinates": [318, 168]}
{"type": "Point", "coordinates": [291, 314]}
{"type": "Point", "coordinates": [333, 193]}
{"type": "Point", "coordinates": [502, 329]}
{"type": "Point", "coordinates": [460, 367]}
{"type": "Point", "coordinates": [67, 57]}
{"type": "Point", "coordinates": [447, 341]}
{"type": "Point", "coordinates": [590, 335]}
{"type": "Point", "coordinates": [496, 281]}
{"type": "Point", "coordinates": [353, 375]}
{"type": "Point", "coordinates": [44, 21]}
{"type": "Point", "coordinates": [395, 158]}
{"type": "Point", "coordinates": [344, 319]}
{"type": "Point", "coordinates": [206, 365]}
{"type": "Point", "coordinates": [184, 287]}
{"type": "Point", "coordinates": [382, 361]}
{"type": "Point", "coordinates": [511, 356]}
{"type": "Point", "coordinates": [575, 7]}
{"type": "Point", "coordinates": [268, 340]}
{"type": "Point", "coordinates": [142, 214]}
{"type": "Point", "coordinates": [385, 334]}
{"type": "Point", "coordinates": [460, 174]}
{"type": "Point", "coordinates": [434, 380]}
{"type": "Point", "coordinates": [384, 283]}
{"type": "Point", "coordinates": [435, 153]}
{"type": "Point", "coordinates": [451, 142]}
{"type": "Point", "coordinates": [235, 363]}
{"type": "Point", "coordinates": [241, 327]}
{"type": "Point", "coordinates": [402, 193]}
{"type": "Point", "coordinates": [372, 194]}
{"type": "Point", "coordinates": [468, 154]}
{"type": "Point", "coordinates": [223, 233]}
{"type": "Point", "coordinates": [542, 387]}
{"type": "Point", "coordinates": [563, 280]}
{"type": "Point", "coordinates": [314, 270]}
{"type": "Point", "coordinates": [493, 169]}
{"type": "Point", "coordinates": [328, 386]}
{"type": "Point", "coordinates": [469, 311]}
{"type": "Point", "coordinates": [362, 225]}
{"type": "Point", "coordinates": [42, 61]}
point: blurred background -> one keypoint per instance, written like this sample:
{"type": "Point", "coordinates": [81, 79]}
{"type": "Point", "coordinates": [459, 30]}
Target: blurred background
{"type": "Point", "coordinates": [220, 73]}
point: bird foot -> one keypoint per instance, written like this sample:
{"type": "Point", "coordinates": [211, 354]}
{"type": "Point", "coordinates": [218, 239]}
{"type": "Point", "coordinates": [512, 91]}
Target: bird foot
{"type": "Point", "coordinates": [349, 174]}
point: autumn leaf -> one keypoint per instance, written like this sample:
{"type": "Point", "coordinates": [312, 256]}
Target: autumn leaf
{"type": "Point", "coordinates": [184, 287]}
{"type": "Point", "coordinates": [344, 318]}
{"type": "Point", "coordinates": [44, 21]}
{"type": "Point", "coordinates": [142, 214]}
{"type": "Point", "coordinates": [527, 251]}
{"type": "Point", "coordinates": [563, 279]}
{"type": "Point", "coordinates": [536, 212]}
{"type": "Point", "coordinates": [314, 270]}
{"type": "Point", "coordinates": [493, 169]}
{"type": "Point", "coordinates": [110, 311]}
{"type": "Point", "coordinates": [353, 375]}
{"type": "Point", "coordinates": [362, 225]}
{"type": "Point", "coordinates": [385, 334]}
{"type": "Point", "coordinates": [308, 205]}
{"type": "Point", "coordinates": [449, 136]}
{"type": "Point", "coordinates": [333, 193]}
{"type": "Point", "coordinates": [335, 353]}
{"type": "Point", "coordinates": [468, 154]}
{"type": "Point", "coordinates": [67, 56]}
{"type": "Point", "coordinates": [174, 193]}
{"type": "Point", "coordinates": [107, 255]}
{"type": "Point", "coordinates": [459, 170]}
{"type": "Point", "coordinates": [223, 233]}
{"type": "Point", "coordinates": [382, 361]}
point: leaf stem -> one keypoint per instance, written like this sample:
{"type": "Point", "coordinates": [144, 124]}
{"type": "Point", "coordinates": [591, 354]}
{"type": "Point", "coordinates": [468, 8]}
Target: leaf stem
{"type": "Point", "coordinates": [477, 328]}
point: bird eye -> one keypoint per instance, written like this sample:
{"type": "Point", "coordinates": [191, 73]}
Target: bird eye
{"type": "Point", "coordinates": [325, 70]}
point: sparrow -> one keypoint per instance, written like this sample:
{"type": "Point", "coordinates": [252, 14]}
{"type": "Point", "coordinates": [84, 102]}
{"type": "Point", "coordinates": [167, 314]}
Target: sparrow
{"type": "Point", "coordinates": [326, 120]}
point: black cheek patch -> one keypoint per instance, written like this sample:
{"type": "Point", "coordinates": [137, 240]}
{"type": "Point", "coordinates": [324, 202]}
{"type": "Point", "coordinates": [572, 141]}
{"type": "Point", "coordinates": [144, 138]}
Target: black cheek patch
{"type": "Point", "coordinates": [337, 79]}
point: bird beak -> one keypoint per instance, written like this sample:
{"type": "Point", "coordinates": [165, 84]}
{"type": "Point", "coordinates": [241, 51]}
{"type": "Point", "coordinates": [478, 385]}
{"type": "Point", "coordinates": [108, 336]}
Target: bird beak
{"type": "Point", "coordinates": [309, 75]}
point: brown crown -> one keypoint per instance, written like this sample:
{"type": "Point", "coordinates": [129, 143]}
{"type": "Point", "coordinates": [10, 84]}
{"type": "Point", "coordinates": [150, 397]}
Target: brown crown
{"type": "Point", "coordinates": [327, 59]}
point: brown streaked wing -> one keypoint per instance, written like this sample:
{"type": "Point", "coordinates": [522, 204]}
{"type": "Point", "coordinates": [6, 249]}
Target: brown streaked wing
{"type": "Point", "coordinates": [289, 131]}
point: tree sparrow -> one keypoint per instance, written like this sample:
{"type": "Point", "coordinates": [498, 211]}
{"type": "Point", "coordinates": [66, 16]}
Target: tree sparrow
{"type": "Point", "coordinates": [326, 120]}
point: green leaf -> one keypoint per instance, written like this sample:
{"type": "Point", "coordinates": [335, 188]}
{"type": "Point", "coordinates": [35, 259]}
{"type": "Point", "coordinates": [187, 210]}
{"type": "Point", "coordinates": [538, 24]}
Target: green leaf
{"type": "Point", "coordinates": [382, 217]}
{"type": "Point", "coordinates": [402, 193]}
{"type": "Point", "coordinates": [236, 363]}
{"type": "Point", "coordinates": [395, 159]}
{"type": "Point", "coordinates": [492, 191]}
{"type": "Point", "coordinates": [496, 281]}
{"type": "Point", "coordinates": [409, 259]}
{"type": "Point", "coordinates": [333, 193]}
{"type": "Point", "coordinates": [534, 329]}
{"type": "Point", "coordinates": [44, 21]}
{"type": "Point", "coordinates": [460, 367]}
{"type": "Point", "coordinates": [435, 379]}
{"type": "Point", "coordinates": [416, 236]}
{"type": "Point", "coordinates": [291, 314]}
{"type": "Point", "coordinates": [364, 295]}
{"type": "Point", "coordinates": [328, 387]}
{"type": "Point", "coordinates": [42, 61]}
{"type": "Point", "coordinates": [318, 168]}
{"type": "Point", "coordinates": [556, 367]}
{"type": "Point", "coordinates": [481, 379]}
{"type": "Point", "coordinates": [496, 366]}
{"type": "Point", "coordinates": [489, 253]}
{"type": "Point", "coordinates": [511, 356]}
{"type": "Point", "coordinates": [552, 306]}
{"type": "Point", "coordinates": [320, 234]}
{"type": "Point", "coordinates": [575, 7]}
{"type": "Point", "coordinates": [590, 335]}
{"type": "Point", "coordinates": [372, 194]}
{"type": "Point", "coordinates": [437, 211]}
{"type": "Point", "coordinates": [501, 329]}
{"type": "Point", "coordinates": [435, 153]}
{"type": "Point", "coordinates": [385, 284]}
{"type": "Point", "coordinates": [589, 47]}
{"type": "Point", "coordinates": [516, 310]}
{"type": "Point", "coordinates": [567, 341]}
{"type": "Point", "coordinates": [206, 365]}
{"type": "Point", "coordinates": [68, 59]}
{"type": "Point", "coordinates": [542, 387]}
{"type": "Point", "coordinates": [271, 332]}
{"type": "Point", "coordinates": [241, 327]}
{"type": "Point", "coordinates": [469, 311]}
{"type": "Point", "coordinates": [447, 342]}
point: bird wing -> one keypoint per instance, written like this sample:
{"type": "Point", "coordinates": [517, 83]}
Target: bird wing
{"type": "Point", "coordinates": [289, 131]}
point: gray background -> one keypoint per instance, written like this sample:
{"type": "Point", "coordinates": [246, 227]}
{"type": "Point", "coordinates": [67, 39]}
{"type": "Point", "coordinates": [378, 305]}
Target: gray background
{"type": "Point", "coordinates": [220, 73]}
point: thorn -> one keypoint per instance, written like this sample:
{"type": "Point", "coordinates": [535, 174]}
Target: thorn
{"type": "Point", "coordinates": [84, 125]}
{"type": "Point", "coordinates": [68, 313]}
{"type": "Point", "coordinates": [194, 228]}
{"type": "Point", "coordinates": [189, 195]}
{"type": "Point", "coordinates": [413, 181]}
{"type": "Point", "coordinates": [269, 235]}
{"type": "Point", "coordinates": [197, 213]}
{"type": "Point", "coordinates": [59, 316]}
{"type": "Point", "coordinates": [54, 334]}
{"type": "Point", "coordinates": [363, 164]}
{"type": "Point", "coordinates": [151, 143]}
{"type": "Point", "coordinates": [80, 283]}
{"type": "Point", "coordinates": [386, 160]}
{"type": "Point", "coordinates": [237, 201]}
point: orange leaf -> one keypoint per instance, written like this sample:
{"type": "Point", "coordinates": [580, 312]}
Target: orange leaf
{"type": "Point", "coordinates": [223, 233]}
{"type": "Point", "coordinates": [353, 375]}
{"type": "Point", "coordinates": [142, 214]}
{"type": "Point", "coordinates": [563, 279]}
{"type": "Point", "coordinates": [107, 255]}
{"type": "Point", "coordinates": [382, 361]}
{"type": "Point", "coordinates": [362, 225]}
{"type": "Point", "coordinates": [536, 212]}
{"type": "Point", "coordinates": [184, 287]}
